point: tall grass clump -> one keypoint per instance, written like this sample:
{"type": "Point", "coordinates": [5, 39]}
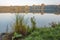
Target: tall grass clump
{"type": "Point", "coordinates": [33, 23]}
{"type": "Point", "coordinates": [19, 26]}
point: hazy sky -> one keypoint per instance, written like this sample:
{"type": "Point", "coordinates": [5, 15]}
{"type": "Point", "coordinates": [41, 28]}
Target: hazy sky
{"type": "Point", "coordinates": [27, 2]}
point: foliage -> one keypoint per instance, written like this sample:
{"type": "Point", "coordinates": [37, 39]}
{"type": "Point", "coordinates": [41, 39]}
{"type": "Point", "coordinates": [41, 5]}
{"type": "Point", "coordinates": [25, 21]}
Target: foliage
{"type": "Point", "coordinates": [33, 23]}
{"type": "Point", "coordinates": [34, 33]}
{"type": "Point", "coordinates": [19, 26]}
{"type": "Point", "coordinates": [45, 34]}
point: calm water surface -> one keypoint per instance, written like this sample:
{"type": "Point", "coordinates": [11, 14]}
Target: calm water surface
{"type": "Point", "coordinates": [7, 19]}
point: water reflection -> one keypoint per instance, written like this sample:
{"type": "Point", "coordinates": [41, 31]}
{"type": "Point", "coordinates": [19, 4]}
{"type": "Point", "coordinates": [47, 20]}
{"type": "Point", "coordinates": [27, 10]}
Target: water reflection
{"type": "Point", "coordinates": [41, 19]}
{"type": "Point", "coordinates": [5, 19]}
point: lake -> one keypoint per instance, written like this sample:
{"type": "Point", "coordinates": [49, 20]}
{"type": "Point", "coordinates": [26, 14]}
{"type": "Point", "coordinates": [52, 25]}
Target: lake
{"type": "Point", "coordinates": [8, 19]}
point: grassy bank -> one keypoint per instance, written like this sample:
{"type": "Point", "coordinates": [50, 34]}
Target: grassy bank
{"type": "Point", "coordinates": [24, 32]}
{"type": "Point", "coordinates": [34, 33]}
{"type": "Point", "coordinates": [45, 34]}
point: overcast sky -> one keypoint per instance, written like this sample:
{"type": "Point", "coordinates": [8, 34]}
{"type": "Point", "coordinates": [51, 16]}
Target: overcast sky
{"type": "Point", "coordinates": [27, 2]}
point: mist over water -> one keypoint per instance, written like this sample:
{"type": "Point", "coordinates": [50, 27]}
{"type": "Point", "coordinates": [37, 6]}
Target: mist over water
{"type": "Point", "coordinates": [7, 19]}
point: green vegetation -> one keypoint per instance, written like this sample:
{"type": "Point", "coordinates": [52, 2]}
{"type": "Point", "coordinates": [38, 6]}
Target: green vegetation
{"type": "Point", "coordinates": [51, 33]}
{"type": "Point", "coordinates": [20, 27]}
{"type": "Point", "coordinates": [34, 33]}
{"type": "Point", "coordinates": [33, 24]}
{"type": "Point", "coordinates": [45, 34]}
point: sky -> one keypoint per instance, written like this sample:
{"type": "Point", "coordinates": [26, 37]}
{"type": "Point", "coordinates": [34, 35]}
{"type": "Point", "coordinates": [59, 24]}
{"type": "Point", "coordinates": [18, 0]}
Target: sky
{"type": "Point", "coordinates": [28, 2]}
